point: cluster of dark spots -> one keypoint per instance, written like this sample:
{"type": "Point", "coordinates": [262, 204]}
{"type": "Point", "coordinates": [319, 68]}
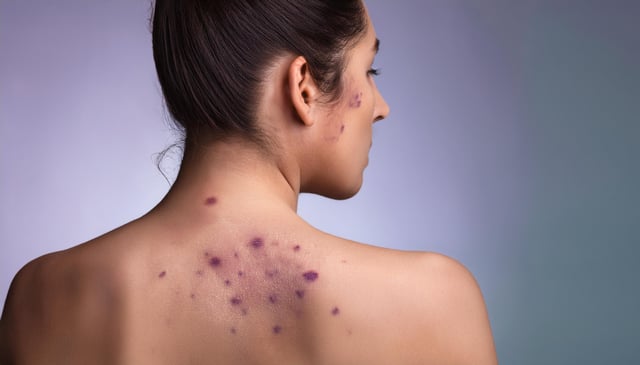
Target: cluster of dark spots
{"type": "Point", "coordinates": [296, 248]}
{"type": "Point", "coordinates": [300, 293]}
{"type": "Point", "coordinates": [335, 311]}
{"type": "Point", "coordinates": [273, 298]}
{"type": "Point", "coordinates": [277, 329]}
{"type": "Point", "coordinates": [215, 261]}
{"type": "Point", "coordinates": [236, 301]}
{"type": "Point", "coordinates": [310, 275]}
{"type": "Point", "coordinates": [212, 200]}
{"type": "Point", "coordinates": [162, 274]}
{"type": "Point", "coordinates": [256, 243]}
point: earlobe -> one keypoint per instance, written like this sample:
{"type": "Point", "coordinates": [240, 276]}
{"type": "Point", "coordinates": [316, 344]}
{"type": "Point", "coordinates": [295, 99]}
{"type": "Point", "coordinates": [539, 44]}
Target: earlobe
{"type": "Point", "coordinates": [304, 91]}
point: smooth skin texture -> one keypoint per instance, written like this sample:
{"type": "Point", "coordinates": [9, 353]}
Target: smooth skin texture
{"type": "Point", "coordinates": [223, 270]}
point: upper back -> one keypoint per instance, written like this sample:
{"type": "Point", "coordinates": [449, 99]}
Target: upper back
{"type": "Point", "coordinates": [232, 295]}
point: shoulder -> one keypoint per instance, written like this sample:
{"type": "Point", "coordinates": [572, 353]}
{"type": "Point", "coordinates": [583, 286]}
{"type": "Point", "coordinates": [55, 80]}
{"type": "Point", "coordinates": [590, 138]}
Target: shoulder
{"type": "Point", "coordinates": [54, 300]}
{"type": "Point", "coordinates": [449, 304]}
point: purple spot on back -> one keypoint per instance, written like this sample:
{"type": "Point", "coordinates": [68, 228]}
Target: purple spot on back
{"type": "Point", "coordinates": [271, 273]}
{"type": "Point", "coordinates": [162, 274]}
{"type": "Point", "coordinates": [277, 329]}
{"type": "Point", "coordinates": [193, 296]}
{"type": "Point", "coordinates": [257, 243]}
{"type": "Point", "coordinates": [199, 273]}
{"type": "Point", "coordinates": [233, 330]}
{"type": "Point", "coordinates": [244, 311]}
{"type": "Point", "coordinates": [300, 293]}
{"type": "Point", "coordinates": [240, 273]}
{"type": "Point", "coordinates": [215, 262]}
{"type": "Point", "coordinates": [273, 298]}
{"type": "Point", "coordinates": [310, 275]}
{"type": "Point", "coordinates": [342, 128]}
{"type": "Point", "coordinates": [296, 248]}
{"type": "Point", "coordinates": [236, 301]}
{"type": "Point", "coordinates": [227, 282]}
{"type": "Point", "coordinates": [335, 311]}
{"type": "Point", "coordinates": [211, 201]}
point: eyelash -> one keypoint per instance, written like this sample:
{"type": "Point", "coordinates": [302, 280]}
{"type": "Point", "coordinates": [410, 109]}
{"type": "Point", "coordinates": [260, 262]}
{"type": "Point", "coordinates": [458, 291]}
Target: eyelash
{"type": "Point", "coordinates": [373, 72]}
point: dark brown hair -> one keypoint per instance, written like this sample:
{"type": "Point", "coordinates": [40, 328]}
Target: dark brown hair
{"type": "Point", "coordinates": [211, 55]}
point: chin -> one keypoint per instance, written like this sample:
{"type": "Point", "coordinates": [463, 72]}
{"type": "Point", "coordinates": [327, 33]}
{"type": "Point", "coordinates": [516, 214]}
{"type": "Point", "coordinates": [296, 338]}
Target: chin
{"type": "Point", "coordinates": [343, 191]}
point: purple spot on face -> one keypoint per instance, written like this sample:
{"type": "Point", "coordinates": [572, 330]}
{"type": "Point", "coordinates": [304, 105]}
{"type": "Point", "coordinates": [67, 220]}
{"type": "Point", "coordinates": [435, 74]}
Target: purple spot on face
{"type": "Point", "coordinates": [227, 282]}
{"type": "Point", "coordinates": [273, 298]}
{"type": "Point", "coordinates": [215, 262]}
{"type": "Point", "coordinates": [310, 275]}
{"type": "Point", "coordinates": [236, 301]}
{"type": "Point", "coordinates": [296, 248]}
{"type": "Point", "coordinates": [162, 274]}
{"type": "Point", "coordinates": [277, 329]}
{"type": "Point", "coordinates": [210, 201]}
{"type": "Point", "coordinates": [356, 101]}
{"type": "Point", "coordinates": [300, 293]}
{"type": "Point", "coordinates": [335, 311]}
{"type": "Point", "coordinates": [257, 243]}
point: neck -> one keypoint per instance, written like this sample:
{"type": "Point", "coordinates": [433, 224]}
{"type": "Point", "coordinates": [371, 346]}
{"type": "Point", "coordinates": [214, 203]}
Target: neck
{"type": "Point", "coordinates": [236, 172]}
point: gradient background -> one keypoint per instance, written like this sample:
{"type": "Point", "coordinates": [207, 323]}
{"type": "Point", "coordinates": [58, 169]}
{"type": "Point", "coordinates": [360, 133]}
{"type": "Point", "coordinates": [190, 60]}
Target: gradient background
{"type": "Point", "coordinates": [512, 146]}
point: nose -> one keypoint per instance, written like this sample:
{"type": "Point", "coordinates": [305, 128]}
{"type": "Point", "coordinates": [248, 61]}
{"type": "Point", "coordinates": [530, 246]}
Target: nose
{"type": "Point", "coordinates": [382, 108]}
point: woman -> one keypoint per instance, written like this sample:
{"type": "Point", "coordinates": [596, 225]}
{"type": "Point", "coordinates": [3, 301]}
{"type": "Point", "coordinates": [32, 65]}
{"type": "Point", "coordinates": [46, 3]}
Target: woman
{"type": "Point", "coordinates": [275, 98]}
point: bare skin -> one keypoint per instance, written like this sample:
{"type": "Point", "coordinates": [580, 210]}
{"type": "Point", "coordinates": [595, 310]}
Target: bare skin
{"type": "Point", "coordinates": [223, 270]}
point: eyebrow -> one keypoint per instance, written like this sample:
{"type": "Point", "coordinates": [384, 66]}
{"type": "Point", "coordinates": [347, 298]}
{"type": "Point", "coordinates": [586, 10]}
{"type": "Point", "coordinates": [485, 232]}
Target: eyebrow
{"type": "Point", "coordinates": [376, 47]}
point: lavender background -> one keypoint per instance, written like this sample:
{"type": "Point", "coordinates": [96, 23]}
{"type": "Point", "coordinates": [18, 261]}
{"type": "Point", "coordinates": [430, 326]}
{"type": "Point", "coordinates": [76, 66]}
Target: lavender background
{"type": "Point", "coordinates": [512, 145]}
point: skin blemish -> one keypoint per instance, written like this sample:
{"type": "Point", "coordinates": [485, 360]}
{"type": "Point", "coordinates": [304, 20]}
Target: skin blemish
{"type": "Point", "coordinates": [227, 282]}
{"type": "Point", "coordinates": [236, 301]}
{"type": "Point", "coordinates": [256, 243]}
{"type": "Point", "coordinates": [277, 329]}
{"type": "Point", "coordinates": [310, 276]}
{"type": "Point", "coordinates": [271, 273]}
{"type": "Point", "coordinates": [300, 294]}
{"type": "Point", "coordinates": [356, 101]}
{"type": "Point", "coordinates": [215, 262]}
{"type": "Point", "coordinates": [233, 330]}
{"type": "Point", "coordinates": [235, 254]}
{"type": "Point", "coordinates": [342, 129]}
{"type": "Point", "coordinates": [193, 296]}
{"type": "Point", "coordinates": [162, 274]}
{"type": "Point", "coordinates": [335, 311]}
{"type": "Point", "coordinates": [273, 298]}
{"type": "Point", "coordinates": [207, 254]}
{"type": "Point", "coordinates": [296, 248]}
{"type": "Point", "coordinates": [199, 273]}
{"type": "Point", "coordinates": [210, 201]}
{"type": "Point", "coordinates": [240, 274]}
{"type": "Point", "coordinates": [244, 311]}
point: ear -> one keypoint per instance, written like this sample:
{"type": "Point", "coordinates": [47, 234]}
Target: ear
{"type": "Point", "coordinates": [304, 91]}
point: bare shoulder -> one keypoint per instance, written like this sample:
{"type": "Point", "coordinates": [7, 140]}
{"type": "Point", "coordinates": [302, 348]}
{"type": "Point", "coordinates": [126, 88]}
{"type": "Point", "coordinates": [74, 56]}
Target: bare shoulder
{"type": "Point", "coordinates": [432, 302]}
{"type": "Point", "coordinates": [55, 306]}
{"type": "Point", "coordinates": [449, 305]}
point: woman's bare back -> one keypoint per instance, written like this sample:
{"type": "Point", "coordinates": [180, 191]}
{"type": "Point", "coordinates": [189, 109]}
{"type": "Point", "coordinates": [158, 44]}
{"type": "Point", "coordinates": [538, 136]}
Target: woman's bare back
{"type": "Point", "coordinates": [252, 287]}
